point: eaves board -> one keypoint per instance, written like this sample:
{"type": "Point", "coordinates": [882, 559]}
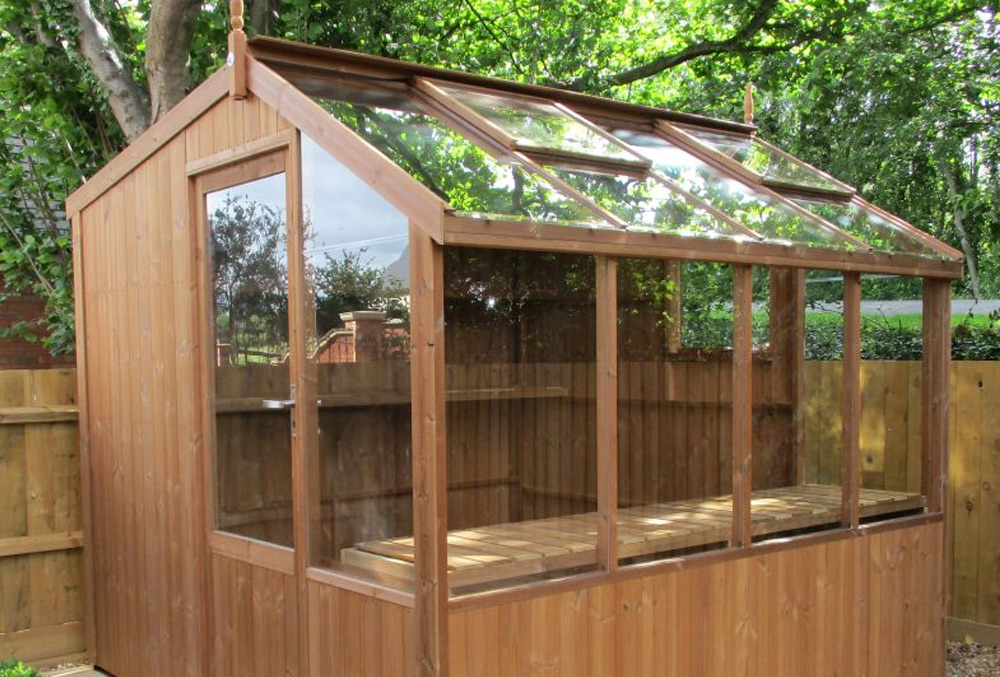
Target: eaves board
{"type": "Point", "coordinates": [490, 233]}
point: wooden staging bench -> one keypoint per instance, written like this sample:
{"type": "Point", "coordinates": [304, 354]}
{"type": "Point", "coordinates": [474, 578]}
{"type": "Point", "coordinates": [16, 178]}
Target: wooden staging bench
{"type": "Point", "coordinates": [518, 549]}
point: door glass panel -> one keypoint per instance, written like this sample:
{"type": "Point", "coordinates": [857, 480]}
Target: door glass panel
{"type": "Point", "coordinates": [253, 400]}
{"type": "Point", "coordinates": [356, 254]}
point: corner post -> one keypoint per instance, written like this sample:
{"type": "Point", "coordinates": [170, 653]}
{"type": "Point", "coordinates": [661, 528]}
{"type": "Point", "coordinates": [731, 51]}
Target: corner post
{"type": "Point", "coordinates": [430, 478]}
{"type": "Point", "coordinates": [607, 413]}
{"type": "Point", "coordinates": [742, 534]}
{"type": "Point", "coordinates": [936, 365]}
{"type": "Point", "coordinates": [237, 57]}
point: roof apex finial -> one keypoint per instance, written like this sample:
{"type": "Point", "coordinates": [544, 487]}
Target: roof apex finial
{"type": "Point", "coordinates": [236, 15]}
{"type": "Point", "coordinates": [748, 103]}
{"type": "Point", "coordinates": [237, 59]}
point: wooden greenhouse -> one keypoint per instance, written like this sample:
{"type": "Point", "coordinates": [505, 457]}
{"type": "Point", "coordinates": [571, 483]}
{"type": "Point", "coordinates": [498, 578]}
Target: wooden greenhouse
{"type": "Point", "coordinates": [392, 370]}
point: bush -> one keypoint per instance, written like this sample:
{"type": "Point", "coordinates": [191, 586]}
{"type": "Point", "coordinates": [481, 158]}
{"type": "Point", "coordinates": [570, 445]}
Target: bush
{"type": "Point", "coordinates": [15, 668]}
{"type": "Point", "coordinates": [895, 338]}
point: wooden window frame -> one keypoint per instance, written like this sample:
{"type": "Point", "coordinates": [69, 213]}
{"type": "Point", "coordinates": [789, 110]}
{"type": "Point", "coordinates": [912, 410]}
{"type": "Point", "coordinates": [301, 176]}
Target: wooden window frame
{"type": "Point", "coordinates": [266, 157]}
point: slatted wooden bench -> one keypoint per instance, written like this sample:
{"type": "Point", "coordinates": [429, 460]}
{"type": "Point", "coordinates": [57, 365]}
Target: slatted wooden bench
{"type": "Point", "coordinates": [517, 549]}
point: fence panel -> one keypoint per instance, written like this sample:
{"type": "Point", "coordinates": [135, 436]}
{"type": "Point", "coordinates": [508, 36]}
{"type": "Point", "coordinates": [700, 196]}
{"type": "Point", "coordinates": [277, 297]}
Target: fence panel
{"type": "Point", "coordinates": [41, 573]}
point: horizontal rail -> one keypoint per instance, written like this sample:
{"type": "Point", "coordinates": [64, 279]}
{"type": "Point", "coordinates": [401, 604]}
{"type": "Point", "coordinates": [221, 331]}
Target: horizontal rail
{"type": "Point", "coordinates": [47, 414]}
{"type": "Point", "coordinates": [27, 545]}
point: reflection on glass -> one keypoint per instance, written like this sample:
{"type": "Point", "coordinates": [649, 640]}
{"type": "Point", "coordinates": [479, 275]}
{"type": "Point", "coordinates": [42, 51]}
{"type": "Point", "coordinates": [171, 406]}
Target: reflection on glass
{"type": "Point", "coordinates": [520, 337]}
{"type": "Point", "coordinates": [864, 224]}
{"type": "Point", "coordinates": [674, 408]}
{"type": "Point", "coordinates": [253, 481]}
{"type": "Point", "coordinates": [796, 410]}
{"type": "Point", "coordinates": [892, 387]}
{"type": "Point", "coordinates": [468, 178]}
{"type": "Point", "coordinates": [539, 124]}
{"type": "Point", "coordinates": [764, 161]}
{"type": "Point", "coordinates": [357, 273]}
{"type": "Point", "coordinates": [646, 204]}
{"type": "Point", "coordinates": [765, 215]}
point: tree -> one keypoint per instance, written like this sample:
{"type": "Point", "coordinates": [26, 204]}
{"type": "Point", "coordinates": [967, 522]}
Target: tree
{"type": "Point", "coordinates": [861, 88]}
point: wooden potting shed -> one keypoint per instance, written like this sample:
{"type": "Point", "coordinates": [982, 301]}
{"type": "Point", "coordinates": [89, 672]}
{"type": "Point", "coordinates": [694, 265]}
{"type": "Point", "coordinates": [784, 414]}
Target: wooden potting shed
{"type": "Point", "coordinates": [394, 370]}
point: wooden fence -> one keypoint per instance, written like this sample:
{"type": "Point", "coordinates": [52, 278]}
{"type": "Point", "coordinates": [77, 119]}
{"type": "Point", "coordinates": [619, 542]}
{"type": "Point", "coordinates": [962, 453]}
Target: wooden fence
{"type": "Point", "coordinates": [41, 601]}
{"type": "Point", "coordinates": [41, 579]}
{"type": "Point", "coordinates": [890, 448]}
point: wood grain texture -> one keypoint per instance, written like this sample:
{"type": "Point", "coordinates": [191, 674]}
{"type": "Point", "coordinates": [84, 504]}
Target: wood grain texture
{"type": "Point", "coordinates": [41, 562]}
{"type": "Point", "coordinates": [359, 635]}
{"type": "Point", "coordinates": [867, 605]}
{"type": "Point", "coordinates": [143, 358]}
{"type": "Point", "coordinates": [256, 616]}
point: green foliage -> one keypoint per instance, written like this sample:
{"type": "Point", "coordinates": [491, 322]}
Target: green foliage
{"type": "Point", "coordinates": [974, 337]}
{"type": "Point", "coordinates": [899, 98]}
{"type": "Point", "coordinates": [15, 668]}
{"type": "Point", "coordinates": [353, 282]}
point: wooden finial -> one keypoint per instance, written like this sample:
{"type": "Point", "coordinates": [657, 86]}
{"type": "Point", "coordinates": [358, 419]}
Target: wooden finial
{"type": "Point", "coordinates": [748, 103]}
{"type": "Point", "coordinates": [236, 15]}
{"type": "Point", "coordinates": [237, 60]}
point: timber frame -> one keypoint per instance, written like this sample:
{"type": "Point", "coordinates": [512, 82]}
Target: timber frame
{"type": "Point", "coordinates": [260, 79]}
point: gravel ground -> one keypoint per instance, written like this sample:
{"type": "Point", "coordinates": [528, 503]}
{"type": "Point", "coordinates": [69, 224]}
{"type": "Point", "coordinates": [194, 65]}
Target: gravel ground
{"type": "Point", "coordinates": [973, 660]}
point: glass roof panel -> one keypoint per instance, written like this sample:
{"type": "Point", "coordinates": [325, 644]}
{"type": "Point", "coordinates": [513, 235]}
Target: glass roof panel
{"type": "Point", "coordinates": [647, 204]}
{"type": "Point", "coordinates": [539, 124]}
{"type": "Point", "coordinates": [863, 223]}
{"type": "Point", "coordinates": [766, 215]}
{"type": "Point", "coordinates": [768, 164]}
{"type": "Point", "coordinates": [472, 181]}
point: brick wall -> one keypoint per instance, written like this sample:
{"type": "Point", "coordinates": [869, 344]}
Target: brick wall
{"type": "Point", "coordinates": [16, 354]}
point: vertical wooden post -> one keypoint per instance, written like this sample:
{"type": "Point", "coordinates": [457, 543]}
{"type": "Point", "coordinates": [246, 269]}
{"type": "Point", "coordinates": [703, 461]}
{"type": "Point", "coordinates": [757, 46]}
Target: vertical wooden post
{"type": "Point", "coordinates": [742, 534]}
{"type": "Point", "coordinates": [430, 479]}
{"type": "Point", "coordinates": [607, 413]}
{"type": "Point", "coordinates": [936, 363]}
{"type": "Point", "coordinates": [675, 306]}
{"type": "Point", "coordinates": [237, 58]}
{"type": "Point", "coordinates": [850, 460]}
{"type": "Point", "coordinates": [89, 627]}
{"type": "Point", "coordinates": [301, 317]}
{"type": "Point", "coordinates": [788, 351]}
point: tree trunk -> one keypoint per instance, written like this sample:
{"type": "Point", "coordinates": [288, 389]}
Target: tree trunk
{"type": "Point", "coordinates": [959, 212]}
{"type": "Point", "coordinates": [127, 100]}
{"type": "Point", "coordinates": [168, 41]}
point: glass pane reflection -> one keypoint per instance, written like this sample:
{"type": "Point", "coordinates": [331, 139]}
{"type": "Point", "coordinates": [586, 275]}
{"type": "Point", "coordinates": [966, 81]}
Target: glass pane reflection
{"type": "Point", "coordinates": [357, 273]}
{"type": "Point", "coordinates": [764, 161]}
{"type": "Point", "coordinates": [471, 180]}
{"type": "Point", "coordinates": [647, 204]}
{"type": "Point", "coordinates": [762, 213]}
{"type": "Point", "coordinates": [864, 224]}
{"type": "Point", "coordinates": [253, 434]}
{"type": "Point", "coordinates": [539, 124]}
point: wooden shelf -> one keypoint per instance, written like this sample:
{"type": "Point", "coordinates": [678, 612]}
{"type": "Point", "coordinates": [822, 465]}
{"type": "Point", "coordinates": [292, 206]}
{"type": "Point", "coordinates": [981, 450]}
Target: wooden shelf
{"type": "Point", "coordinates": [503, 551]}
{"type": "Point", "coordinates": [394, 397]}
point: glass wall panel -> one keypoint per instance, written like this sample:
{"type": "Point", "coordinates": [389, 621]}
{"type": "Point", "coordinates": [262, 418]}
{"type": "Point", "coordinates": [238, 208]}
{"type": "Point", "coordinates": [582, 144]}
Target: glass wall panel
{"type": "Point", "coordinates": [539, 124]}
{"type": "Point", "coordinates": [891, 393]}
{"type": "Point", "coordinates": [764, 214]}
{"type": "Point", "coordinates": [870, 227]}
{"type": "Point", "coordinates": [764, 161]}
{"type": "Point", "coordinates": [647, 204]}
{"type": "Point", "coordinates": [357, 277]}
{"type": "Point", "coordinates": [469, 179]}
{"type": "Point", "coordinates": [675, 376]}
{"type": "Point", "coordinates": [520, 330]}
{"type": "Point", "coordinates": [797, 401]}
{"type": "Point", "coordinates": [253, 470]}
